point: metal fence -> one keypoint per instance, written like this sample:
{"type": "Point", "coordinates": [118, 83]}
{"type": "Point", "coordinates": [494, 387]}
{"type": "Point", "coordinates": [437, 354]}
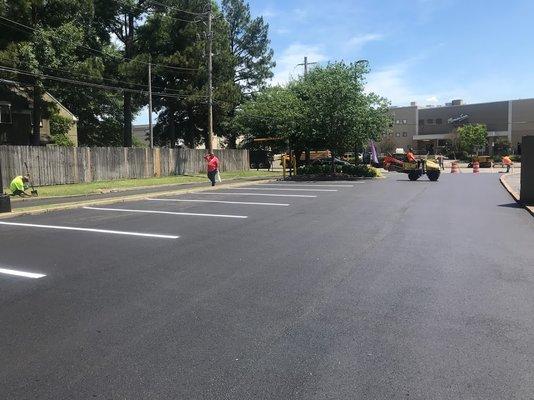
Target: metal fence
{"type": "Point", "coordinates": [62, 165]}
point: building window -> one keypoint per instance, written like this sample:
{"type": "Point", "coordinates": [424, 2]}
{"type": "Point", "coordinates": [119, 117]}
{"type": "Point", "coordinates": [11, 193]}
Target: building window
{"type": "Point", "coordinates": [439, 121]}
{"type": "Point", "coordinates": [404, 122]}
{"type": "Point", "coordinates": [397, 134]}
{"type": "Point", "coordinates": [404, 134]}
{"type": "Point", "coordinates": [421, 122]}
{"type": "Point", "coordinates": [430, 121]}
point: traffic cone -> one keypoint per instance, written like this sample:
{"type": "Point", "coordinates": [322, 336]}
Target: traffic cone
{"type": "Point", "coordinates": [476, 167]}
{"type": "Point", "coordinates": [455, 168]}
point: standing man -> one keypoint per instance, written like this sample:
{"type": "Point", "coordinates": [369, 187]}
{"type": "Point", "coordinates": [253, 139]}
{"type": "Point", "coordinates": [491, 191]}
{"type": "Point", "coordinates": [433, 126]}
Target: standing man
{"type": "Point", "coordinates": [440, 161]}
{"type": "Point", "coordinates": [213, 167]}
{"type": "Point", "coordinates": [17, 186]}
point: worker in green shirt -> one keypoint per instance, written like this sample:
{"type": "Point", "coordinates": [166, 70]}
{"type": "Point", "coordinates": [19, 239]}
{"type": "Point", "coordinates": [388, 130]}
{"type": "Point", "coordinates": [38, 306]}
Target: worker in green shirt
{"type": "Point", "coordinates": [17, 186]}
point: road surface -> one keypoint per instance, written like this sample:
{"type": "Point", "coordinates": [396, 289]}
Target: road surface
{"type": "Point", "coordinates": [384, 289]}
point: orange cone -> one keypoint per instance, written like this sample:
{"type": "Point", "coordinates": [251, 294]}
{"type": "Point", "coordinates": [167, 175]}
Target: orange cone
{"type": "Point", "coordinates": [455, 168]}
{"type": "Point", "coordinates": [476, 167]}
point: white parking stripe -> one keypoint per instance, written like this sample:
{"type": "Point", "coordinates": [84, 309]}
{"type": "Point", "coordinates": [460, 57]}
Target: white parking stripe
{"type": "Point", "coordinates": [257, 194]}
{"type": "Point", "coordinates": [14, 272]}
{"type": "Point", "coordinates": [304, 185]}
{"type": "Point", "coordinates": [166, 212]}
{"type": "Point", "coordinates": [222, 202]}
{"type": "Point", "coordinates": [71, 228]}
{"type": "Point", "coordinates": [289, 190]}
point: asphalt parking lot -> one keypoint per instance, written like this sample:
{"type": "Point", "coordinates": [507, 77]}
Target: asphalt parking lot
{"type": "Point", "coordinates": [372, 289]}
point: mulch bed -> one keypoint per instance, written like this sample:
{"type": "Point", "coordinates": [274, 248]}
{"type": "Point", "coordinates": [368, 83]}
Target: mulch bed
{"type": "Point", "coordinates": [325, 177]}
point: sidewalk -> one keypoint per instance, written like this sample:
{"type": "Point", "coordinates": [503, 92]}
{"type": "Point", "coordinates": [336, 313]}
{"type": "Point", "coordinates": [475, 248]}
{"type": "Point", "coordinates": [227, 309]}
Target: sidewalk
{"type": "Point", "coordinates": [45, 204]}
{"type": "Point", "coordinates": [465, 170]}
{"type": "Point", "coordinates": [512, 183]}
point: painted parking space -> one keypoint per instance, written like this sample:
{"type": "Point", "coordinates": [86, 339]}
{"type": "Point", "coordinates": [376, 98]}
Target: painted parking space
{"type": "Point", "coordinates": [284, 184]}
{"type": "Point", "coordinates": [133, 211]}
{"type": "Point", "coordinates": [18, 273]}
{"type": "Point", "coordinates": [256, 194]}
{"type": "Point", "coordinates": [246, 203]}
{"type": "Point", "coordinates": [91, 230]}
{"type": "Point", "coordinates": [287, 189]}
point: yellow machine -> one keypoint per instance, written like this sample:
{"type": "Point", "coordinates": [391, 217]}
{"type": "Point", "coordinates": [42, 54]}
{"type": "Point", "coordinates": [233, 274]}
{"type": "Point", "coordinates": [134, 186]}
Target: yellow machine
{"type": "Point", "coordinates": [418, 169]}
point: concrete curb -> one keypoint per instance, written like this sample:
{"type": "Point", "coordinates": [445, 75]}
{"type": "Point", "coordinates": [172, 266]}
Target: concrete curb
{"type": "Point", "coordinates": [124, 199]}
{"type": "Point", "coordinates": [514, 194]}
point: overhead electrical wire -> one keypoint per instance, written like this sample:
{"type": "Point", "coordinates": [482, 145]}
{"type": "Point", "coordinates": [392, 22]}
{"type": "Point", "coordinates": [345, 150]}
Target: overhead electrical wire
{"type": "Point", "coordinates": [91, 84]}
{"type": "Point", "coordinates": [177, 9]}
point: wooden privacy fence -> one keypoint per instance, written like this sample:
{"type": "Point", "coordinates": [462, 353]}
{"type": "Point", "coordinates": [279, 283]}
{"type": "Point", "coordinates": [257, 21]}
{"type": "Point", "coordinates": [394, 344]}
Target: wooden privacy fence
{"type": "Point", "coordinates": [61, 165]}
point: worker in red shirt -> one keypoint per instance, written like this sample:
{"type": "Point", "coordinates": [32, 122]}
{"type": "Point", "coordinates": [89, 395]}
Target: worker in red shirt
{"type": "Point", "coordinates": [410, 156]}
{"type": "Point", "coordinates": [213, 167]}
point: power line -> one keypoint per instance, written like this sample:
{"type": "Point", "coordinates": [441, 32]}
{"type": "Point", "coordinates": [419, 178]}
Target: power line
{"type": "Point", "coordinates": [178, 9]}
{"type": "Point", "coordinates": [100, 51]}
{"type": "Point", "coordinates": [111, 80]}
{"type": "Point", "coordinates": [90, 84]}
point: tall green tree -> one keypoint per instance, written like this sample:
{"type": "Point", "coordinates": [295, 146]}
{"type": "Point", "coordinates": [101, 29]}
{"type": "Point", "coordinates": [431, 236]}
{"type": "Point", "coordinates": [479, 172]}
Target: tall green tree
{"type": "Point", "coordinates": [65, 39]}
{"type": "Point", "coordinates": [35, 46]}
{"type": "Point", "coordinates": [253, 57]}
{"type": "Point", "coordinates": [276, 112]}
{"type": "Point", "coordinates": [326, 109]}
{"type": "Point", "coordinates": [124, 18]}
{"type": "Point", "coordinates": [180, 41]}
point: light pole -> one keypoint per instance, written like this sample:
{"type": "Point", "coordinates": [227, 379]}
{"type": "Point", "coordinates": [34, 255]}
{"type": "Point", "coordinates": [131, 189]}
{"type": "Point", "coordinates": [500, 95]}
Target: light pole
{"type": "Point", "coordinates": [359, 62]}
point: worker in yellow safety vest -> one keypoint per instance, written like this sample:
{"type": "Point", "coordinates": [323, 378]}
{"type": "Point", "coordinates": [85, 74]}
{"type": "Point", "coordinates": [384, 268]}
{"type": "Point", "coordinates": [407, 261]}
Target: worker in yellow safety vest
{"type": "Point", "coordinates": [17, 186]}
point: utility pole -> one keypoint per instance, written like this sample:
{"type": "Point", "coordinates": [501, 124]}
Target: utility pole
{"type": "Point", "coordinates": [306, 64]}
{"type": "Point", "coordinates": [5, 200]}
{"type": "Point", "coordinates": [210, 80]}
{"type": "Point", "coordinates": [150, 127]}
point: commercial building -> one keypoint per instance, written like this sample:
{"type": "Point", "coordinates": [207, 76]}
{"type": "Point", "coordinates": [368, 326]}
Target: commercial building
{"type": "Point", "coordinates": [433, 128]}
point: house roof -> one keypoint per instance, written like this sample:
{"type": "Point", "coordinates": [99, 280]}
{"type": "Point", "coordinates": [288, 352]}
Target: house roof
{"type": "Point", "coordinates": [16, 89]}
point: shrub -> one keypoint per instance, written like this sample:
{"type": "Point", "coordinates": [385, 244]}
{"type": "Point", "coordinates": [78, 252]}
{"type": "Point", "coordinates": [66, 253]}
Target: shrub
{"type": "Point", "coordinates": [59, 129]}
{"type": "Point", "coordinates": [515, 158]}
{"type": "Point", "coordinates": [358, 170]}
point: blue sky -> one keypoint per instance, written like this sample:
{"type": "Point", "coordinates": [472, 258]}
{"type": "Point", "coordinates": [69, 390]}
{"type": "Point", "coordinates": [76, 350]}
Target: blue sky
{"type": "Point", "coordinates": [429, 51]}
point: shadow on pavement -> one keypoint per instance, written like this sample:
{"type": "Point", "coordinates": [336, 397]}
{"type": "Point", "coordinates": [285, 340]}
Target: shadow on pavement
{"type": "Point", "coordinates": [417, 181]}
{"type": "Point", "coordinates": [511, 205]}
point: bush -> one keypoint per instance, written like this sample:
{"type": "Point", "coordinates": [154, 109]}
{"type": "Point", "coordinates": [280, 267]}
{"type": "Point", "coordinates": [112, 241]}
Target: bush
{"type": "Point", "coordinates": [59, 129]}
{"type": "Point", "coordinates": [515, 158]}
{"type": "Point", "coordinates": [358, 170]}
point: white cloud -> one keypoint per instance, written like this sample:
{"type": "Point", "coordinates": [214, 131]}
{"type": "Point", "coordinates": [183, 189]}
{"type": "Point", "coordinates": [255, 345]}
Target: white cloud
{"type": "Point", "coordinates": [397, 84]}
{"type": "Point", "coordinates": [268, 13]}
{"type": "Point", "coordinates": [357, 42]}
{"type": "Point", "coordinates": [286, 64]}
{"type": "Point", "coordinates": [393, 83]}
{"type": "Point", "coordinates": [300, 14]}
{"type": "Point", "coordinates": [282, 31]}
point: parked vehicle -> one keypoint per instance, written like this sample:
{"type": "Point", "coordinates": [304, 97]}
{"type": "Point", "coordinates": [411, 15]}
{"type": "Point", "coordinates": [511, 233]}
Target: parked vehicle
{"type": "Point", "coordinates": [259, 159]}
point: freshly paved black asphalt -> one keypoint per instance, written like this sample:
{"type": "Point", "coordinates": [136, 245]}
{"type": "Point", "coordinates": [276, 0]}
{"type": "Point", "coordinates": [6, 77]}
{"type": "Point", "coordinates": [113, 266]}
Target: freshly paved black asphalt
{"type": "Point", "coordinates": [388, 290]}
{"type": "Point", "coordinates": [18, 203]}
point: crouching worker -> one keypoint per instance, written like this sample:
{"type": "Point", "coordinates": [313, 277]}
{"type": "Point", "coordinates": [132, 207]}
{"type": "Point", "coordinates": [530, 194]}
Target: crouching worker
{"type": "Point", "coordinates": [17, 186]}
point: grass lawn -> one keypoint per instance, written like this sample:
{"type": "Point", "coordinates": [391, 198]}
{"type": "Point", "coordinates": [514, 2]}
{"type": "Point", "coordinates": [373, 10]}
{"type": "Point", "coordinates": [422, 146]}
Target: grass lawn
{"type": "Point", "coordinates": [122, 184]}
